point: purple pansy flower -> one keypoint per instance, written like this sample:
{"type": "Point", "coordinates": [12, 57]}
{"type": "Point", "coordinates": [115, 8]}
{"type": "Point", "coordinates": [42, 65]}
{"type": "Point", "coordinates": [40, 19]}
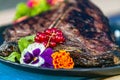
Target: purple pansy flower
{"type": "Point", "coordinates": [31, 55]}
{"type": "Point", "coordinates": [36, 55]}
{"type": "Point", "coordinates": [47, 57]}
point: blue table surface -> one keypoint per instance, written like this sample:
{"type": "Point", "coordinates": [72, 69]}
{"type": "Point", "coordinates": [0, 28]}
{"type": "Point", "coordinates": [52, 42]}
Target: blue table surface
{"type": "Point", "coordinates": [9, 73]}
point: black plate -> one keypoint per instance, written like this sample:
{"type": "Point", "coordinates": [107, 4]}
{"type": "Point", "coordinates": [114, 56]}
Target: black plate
{"type": "Point", "coordinates": [88, 72]}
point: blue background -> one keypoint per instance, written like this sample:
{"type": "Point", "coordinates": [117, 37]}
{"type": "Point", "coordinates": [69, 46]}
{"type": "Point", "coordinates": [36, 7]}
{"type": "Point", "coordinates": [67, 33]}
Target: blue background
{"type": "Point", "coordinates": [9, 73]}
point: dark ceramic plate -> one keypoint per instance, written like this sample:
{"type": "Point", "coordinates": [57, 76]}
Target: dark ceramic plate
{"type": "Point", "coordinates": [89, 72]}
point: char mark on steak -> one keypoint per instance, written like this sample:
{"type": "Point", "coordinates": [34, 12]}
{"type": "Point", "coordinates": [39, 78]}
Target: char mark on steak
{"type": "Point", "coordinates": [85, 28]}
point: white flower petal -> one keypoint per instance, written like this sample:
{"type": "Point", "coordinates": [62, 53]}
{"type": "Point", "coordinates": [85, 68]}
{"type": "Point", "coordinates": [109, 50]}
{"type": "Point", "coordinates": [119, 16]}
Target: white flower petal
{"type": "Point", "coordinates": [34, 46]}
{"type": "Point", "coordinates": [41, 61]}
{"type": "Point", "coordinates": [30, 49]}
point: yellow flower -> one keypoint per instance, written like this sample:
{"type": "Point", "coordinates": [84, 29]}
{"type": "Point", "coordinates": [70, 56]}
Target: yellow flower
{"type": "Point", "coordinates": [62, 59]}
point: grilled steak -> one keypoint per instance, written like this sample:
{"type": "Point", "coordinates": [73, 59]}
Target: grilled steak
{"type": "Point", "coordinates": [85, 28]}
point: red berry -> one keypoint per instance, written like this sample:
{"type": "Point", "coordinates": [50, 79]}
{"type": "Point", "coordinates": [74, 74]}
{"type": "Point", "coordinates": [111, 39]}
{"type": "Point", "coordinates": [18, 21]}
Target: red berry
{"type": "Point", "coordinates": [59, 32]}
{"type": "Point", "coordinates": [48, 31]}
{"type": "Point", "coordinates": [37, 39]}
{"type": "Point", "coordinates": [50, 37]}
{"type": "Point", "coordinates": [59, 39]}
{"type": "Point", "coordinates": [47, 37]}
{"type": "Point", "coordinates": [45, 43]}
{"type": "Point", "coordinates": [63, 40]}
{"type": "Point", "coordinates": [53, 30]}
{"type": "Point", "coordinates": [52, 44]}
{"type": "Point", "coordinates": [38, 33]}
{"type": "Point", "coordinates": [42, 37]}
{"type": "Point", "coordinates": [53, 38]}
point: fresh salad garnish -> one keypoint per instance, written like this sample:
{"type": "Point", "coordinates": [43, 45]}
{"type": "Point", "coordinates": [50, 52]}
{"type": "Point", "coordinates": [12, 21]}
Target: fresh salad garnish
{"type": "Point", "coordinates": [38, 50]}
{"type": "Point", "coordinates": [33, 7]}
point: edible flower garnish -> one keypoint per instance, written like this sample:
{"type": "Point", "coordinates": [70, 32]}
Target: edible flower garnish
{"type": "Point", "coordinates": [54, 2]}
{"type": "Point", "coordinates": [33, 3]}
{"type": "Point", "coordinates": [37, 55]}
{"type": "Point", "coordinates": [33, 7]}
{"type": "Point", "coordinates": [31, 55]}
{"type": "Point", "coordinates": [46, 55]}
{"type": "Point", "coordinates": [62, 59]}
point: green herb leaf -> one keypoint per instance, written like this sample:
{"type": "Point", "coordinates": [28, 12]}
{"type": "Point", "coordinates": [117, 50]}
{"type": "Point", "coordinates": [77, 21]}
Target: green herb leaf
{"type": "Point", "coordinates": [22, 10]}
{"type": "Point", "coordinates": [13, 56]}
{"type": "Point", "coordinates": [25, 41]}
{"type": "Point", "coordinates": [44, 5]}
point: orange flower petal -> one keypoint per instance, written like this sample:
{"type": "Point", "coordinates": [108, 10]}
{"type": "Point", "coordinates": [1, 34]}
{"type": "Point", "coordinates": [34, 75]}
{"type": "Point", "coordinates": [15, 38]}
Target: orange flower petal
{"type": "Point", "coordinates": [62, 59]}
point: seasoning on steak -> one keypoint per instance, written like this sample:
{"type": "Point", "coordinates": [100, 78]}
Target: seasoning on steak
{"type": "Point", "coordinates": [85, 28]}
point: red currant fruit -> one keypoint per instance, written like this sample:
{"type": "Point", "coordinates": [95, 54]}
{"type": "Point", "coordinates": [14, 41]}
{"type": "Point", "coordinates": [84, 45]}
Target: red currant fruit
{"type": "Point", "coordinates": [52, 44]}
{"type": "Point", "coordinates": [37, 39]}
{"type": "Point", "coordinates": [59, 32]}
{"type": "Point", "coordinates": [53, 38]}
{"type": "Point", "coordinates": [38, 33]}
{"type": "Point", "coordinates": [45, 43]}
{"type": "Point", "coordinates": [59, 39]}
{"type": "Point", "coordinates": [48, 31]}
{"type": "Point", "coordinates": [42, 37]}
{"type": "Point", "coordinates": [53, 30]}
{"type": "Point", "coordinates": [50, 37]}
